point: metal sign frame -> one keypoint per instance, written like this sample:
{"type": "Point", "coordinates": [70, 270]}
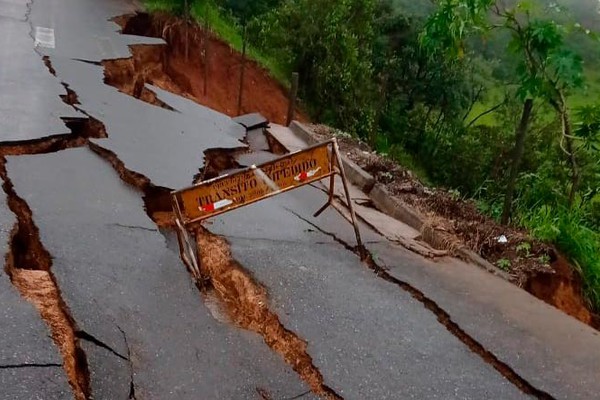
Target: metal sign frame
{"type": "Point", "coordinates": [187, 249]}
{"type": "Point", "coordinates": [336, 167]}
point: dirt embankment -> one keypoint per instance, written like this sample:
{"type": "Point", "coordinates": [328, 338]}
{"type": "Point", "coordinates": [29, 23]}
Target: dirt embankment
{"type": "Point", "coordinates": [208, 57]}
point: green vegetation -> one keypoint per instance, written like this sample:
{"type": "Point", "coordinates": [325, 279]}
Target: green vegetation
{"type": "Point", "coordinates": [504, 264]}
{"type": "Point", "coordinates": [223, 23]}
{"type": "Point", "coordinates": [495, 100]}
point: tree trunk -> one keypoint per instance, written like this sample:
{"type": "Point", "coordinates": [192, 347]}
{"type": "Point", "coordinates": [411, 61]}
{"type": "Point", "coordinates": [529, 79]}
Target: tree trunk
{"type": "Point", "coordinates": [383, 103]}
{"type": "Point", "coordinates": [516, 159]}
{"type": "Point", "coordinates": [571, 156]}
{"type": "Point", "coordinates": [561, 107]}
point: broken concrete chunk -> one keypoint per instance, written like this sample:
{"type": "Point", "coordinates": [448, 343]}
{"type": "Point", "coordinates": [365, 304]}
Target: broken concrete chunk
{"type": "Point", "coordinates": [252, 121]}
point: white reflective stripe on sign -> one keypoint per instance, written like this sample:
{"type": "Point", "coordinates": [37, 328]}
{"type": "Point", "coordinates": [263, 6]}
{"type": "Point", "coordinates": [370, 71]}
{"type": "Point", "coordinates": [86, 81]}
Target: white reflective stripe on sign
{"type": "Point", "coordinates": [44, 37]}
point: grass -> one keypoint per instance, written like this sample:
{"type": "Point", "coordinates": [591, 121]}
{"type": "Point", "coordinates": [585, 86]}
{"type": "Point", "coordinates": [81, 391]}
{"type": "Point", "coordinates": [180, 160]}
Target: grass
{"type": "Point", "coordinates": [168, 6]}
{"type": "Point", "coordinates": [399, 155]}
{"type": "Point", "coordinates": [590, 93]}
{"type": "Point", "coordinates": [408, 161]}
{"type": "Point", "coordinates": [207, 13]}
{"type": "Point", "coordinates": [581, 245]}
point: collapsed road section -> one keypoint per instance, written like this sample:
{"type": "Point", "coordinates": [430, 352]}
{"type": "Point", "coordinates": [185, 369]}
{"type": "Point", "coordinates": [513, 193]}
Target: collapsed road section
{"type": "Point", "coordinates": [243, 299]}
{"type": "Point", "coordinates": [166, 146]}
{"type": "Point", "coordinates": [30, 364]}
{"type": "Point", "coordinates": [28, 264]}
{"type": "Point", "coordinates": [129, 291]}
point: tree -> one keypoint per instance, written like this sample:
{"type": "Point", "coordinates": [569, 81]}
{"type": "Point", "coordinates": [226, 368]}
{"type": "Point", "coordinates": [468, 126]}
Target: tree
{"type": "Point", "coordinates": [330, 44]}
{"type": "Point", "coordinates": [419, 97]}
{"type": "Point", "coordinates": [516, 158]}
{"type": "Point", "coordinates": [547, 69]}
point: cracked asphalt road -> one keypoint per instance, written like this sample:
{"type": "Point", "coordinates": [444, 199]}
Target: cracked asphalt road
{"type": "Point", "coordinates": [368, 338]}
{"type": "Point", "coordinates": [142, 323]}
{"type": "Point", "coordinates": [118, 276]}
{"type": "Point", "coordinates": [30, 364]}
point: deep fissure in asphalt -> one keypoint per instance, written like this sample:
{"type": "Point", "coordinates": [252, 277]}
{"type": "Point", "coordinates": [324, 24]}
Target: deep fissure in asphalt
{"type": "Point", "coordinates": [244, 300]}
{"type": "Point", "coordinates": [28, 264]}
{"type": "Point", "coordinates": [442, 316]}
{"type": "Point", "coordinates": [247, 304]}
{"type": "Point", "coordinates": [218, 160]}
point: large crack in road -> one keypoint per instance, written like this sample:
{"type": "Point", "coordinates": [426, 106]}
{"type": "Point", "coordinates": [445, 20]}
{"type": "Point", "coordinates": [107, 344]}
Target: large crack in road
{"type": "Point", "coordinates": [28, 265]}
{"type": "Point", "coordinates": [247, 303]}
{"type": "Point", "coordinates": [243, 299]}
{"type": "Point", "coordinates": [442, 316]}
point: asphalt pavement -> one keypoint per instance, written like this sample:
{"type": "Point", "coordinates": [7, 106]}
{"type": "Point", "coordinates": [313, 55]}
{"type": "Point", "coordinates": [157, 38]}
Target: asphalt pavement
{"type": "Point", "coordinates": [144, 325]}
{"type": "Point", "coordinates": [128, 290]}
{"type": "Point", "coordinates": [551, 350]}
{"type": "Point", "coordinates": [369, 339]}
{"type": "Point", "coordinates": [30, 107]}
{"type": "Point", "coordinates": [165, 146]}
{"type": "Point", "coordinates": [30, 364]}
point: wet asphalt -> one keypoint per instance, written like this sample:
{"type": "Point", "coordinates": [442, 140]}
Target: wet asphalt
{"type": "Point", "coordinates": [143, 321]}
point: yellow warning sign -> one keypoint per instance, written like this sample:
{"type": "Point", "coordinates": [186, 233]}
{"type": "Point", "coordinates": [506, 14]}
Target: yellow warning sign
{"type": "Point", "coordinates": [229, 192]}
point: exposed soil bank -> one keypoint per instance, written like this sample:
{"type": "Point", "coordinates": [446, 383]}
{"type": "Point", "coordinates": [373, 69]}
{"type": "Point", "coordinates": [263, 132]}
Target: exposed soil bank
{"type": "Point", "coordinates": [562, 288]}
{"type": "Point", "coordinates": [167, 68]}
